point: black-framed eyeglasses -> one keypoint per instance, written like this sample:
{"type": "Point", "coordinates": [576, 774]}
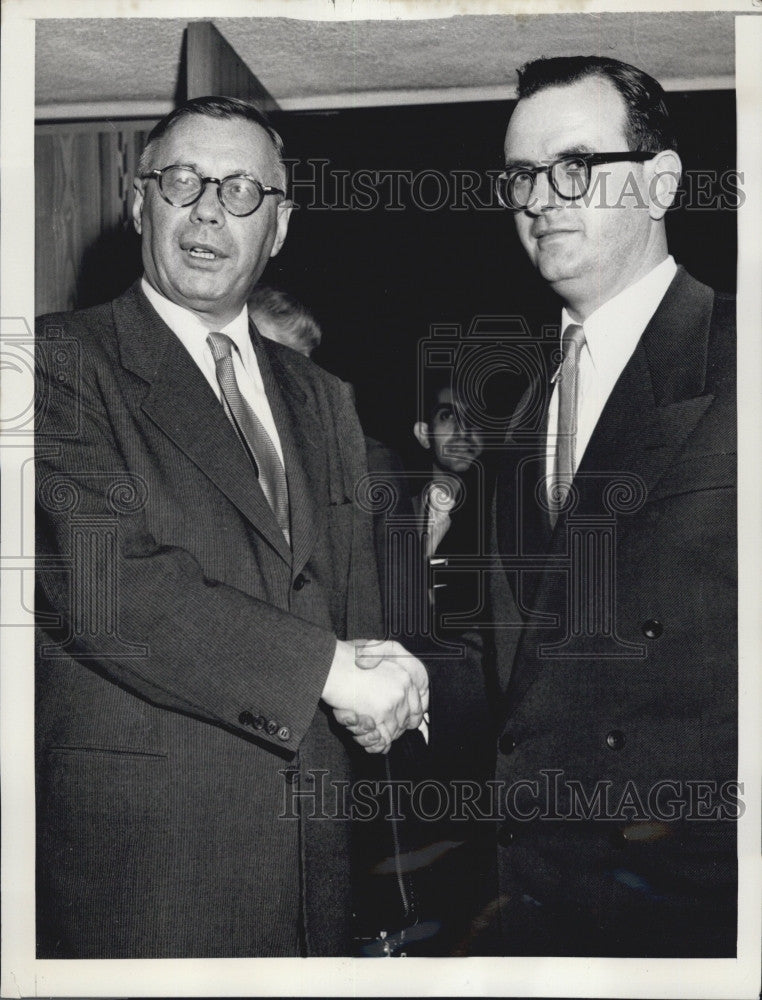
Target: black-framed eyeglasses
{"type": "Point", "coordinates": [569, 176]}
{"type": "Point", "coordinates": [239, 194]}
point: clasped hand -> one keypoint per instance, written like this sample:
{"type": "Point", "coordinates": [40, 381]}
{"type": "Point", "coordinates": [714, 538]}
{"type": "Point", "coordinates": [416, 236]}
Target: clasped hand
{"type": "Point", "coordinates": [377, 690]}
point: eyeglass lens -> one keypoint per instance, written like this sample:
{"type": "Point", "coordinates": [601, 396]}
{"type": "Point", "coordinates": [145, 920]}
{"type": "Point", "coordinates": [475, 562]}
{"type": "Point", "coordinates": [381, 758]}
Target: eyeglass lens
{"type": "Point", "coordinates": [569, 179]}
{"type": "Point", "coordinates": [181, 186]}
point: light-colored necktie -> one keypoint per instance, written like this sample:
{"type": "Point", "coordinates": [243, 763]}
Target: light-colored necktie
{"type": "Point", "coordinates": [440, 501]}
{"type": "Point", "coordinates": [251, 432]}
{"type": "Point", "coordinates": [568, 396]}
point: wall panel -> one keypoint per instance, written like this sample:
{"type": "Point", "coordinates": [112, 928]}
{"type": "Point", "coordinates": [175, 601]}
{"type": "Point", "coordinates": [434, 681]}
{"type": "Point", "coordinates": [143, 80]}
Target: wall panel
{"type": "Point", "coordinates": [85, 247]}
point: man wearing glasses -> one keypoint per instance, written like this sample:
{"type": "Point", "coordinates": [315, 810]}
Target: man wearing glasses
{"type": "Point", "coordinates": [203, 570]}
{"type": "Point", "coordinates": [615, 526]}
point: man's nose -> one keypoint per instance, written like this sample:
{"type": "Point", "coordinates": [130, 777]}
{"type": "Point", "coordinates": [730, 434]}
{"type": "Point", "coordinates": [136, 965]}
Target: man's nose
{"type": "Point", "coordinates": [208, 207]}
{"type": "Point", "coordinates": [543, 197]}
{"type": "Point", "coordinates": [469, 432]}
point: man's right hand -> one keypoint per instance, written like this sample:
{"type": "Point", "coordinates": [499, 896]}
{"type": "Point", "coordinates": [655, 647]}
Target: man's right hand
{"type": "Point", "coordinates": [377, 690]}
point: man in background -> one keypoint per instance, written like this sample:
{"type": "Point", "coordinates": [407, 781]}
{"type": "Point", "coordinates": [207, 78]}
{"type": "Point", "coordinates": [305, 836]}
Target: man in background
{"type": "Point", "coordinates": [451, 506]}
{"type": "Point", "coordinates": [279, 316]}
{"type": "Point", "coordinates": [616, 527]}
{"type": "Point", "coordinates": [204, 573]}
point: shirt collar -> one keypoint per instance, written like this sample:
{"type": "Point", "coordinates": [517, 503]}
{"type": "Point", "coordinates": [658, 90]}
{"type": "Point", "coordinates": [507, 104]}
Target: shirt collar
{"type": "Point", "coordinates": [621, 320]}
{"type": "Point", "coordinates": [183, 322]}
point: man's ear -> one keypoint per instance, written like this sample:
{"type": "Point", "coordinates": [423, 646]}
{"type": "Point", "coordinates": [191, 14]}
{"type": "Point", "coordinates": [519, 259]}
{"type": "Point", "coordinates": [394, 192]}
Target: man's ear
{"type": "Point", "coordinates": [663, 174]}
{"type": "Point", "coordinates": [421, 431]}
{"type": "Point", "coordinates": [137, 205]}
{"type": "Point", "coordinates": [285, 209]}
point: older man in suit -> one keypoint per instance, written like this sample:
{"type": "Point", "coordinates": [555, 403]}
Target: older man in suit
{"type": "Point", "coordinates": [203, 572]}
{"type": "Point", "coordinates": [615, 526]}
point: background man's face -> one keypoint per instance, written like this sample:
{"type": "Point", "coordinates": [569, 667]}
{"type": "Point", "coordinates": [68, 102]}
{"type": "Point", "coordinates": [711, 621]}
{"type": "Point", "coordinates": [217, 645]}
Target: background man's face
{"type": "Point", "coordinates": [201, 257]}
{"type": "Point", "coordinates": [455, 444]}
{"type": "Point", "coordinates": [587, 252]}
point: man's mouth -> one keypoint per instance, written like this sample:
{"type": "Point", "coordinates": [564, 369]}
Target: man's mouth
{"type": "Point", "coordinates": [201, 251]}
{"type": "Point", "coordinates": [545, 233]}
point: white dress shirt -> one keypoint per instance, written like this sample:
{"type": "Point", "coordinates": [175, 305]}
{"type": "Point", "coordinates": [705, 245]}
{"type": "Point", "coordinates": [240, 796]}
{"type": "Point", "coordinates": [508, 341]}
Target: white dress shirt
{"type": "Point", "coordinates": [612, 333]}
{"type": "Point", "coordinates": [192, 333]}
{"type": "Point", "coordinates": [438, 498]}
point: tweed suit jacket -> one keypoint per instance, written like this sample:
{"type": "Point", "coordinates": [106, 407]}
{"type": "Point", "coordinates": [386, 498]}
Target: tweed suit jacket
{"type": "Point", "coordinates": [617, 652]}
{"type": "Point", "coordinates": [184, 649]}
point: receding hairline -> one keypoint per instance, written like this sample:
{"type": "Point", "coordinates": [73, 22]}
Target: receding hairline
{"type": "Point", "coordinates": [274, 141]}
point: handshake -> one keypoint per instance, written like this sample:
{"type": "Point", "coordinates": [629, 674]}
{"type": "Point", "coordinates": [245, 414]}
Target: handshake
{"type": "Point", "coordinates": [377, 690]}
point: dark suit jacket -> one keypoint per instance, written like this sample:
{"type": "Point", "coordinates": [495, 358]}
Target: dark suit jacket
{"type": "Point", "coordinates": [185, 673]}
{"type": "Point", "coordinates": [618, 653]}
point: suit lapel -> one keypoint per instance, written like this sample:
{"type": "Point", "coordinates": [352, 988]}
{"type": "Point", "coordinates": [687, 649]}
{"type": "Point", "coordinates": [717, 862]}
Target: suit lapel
{"type": "Point", "coordinates": [656, 404]}
{"type": "Point", "coordinates": [182, 404]}
{"type": "Point", "coordinates": [304, 449]}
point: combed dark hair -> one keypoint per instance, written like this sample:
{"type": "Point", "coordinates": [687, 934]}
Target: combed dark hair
{"type": "Point", "coordinates": [647, 125]}
{"type": "Point", "coordinates": [224, 108]}
{"type": "Point", "coordinates": [435, 380]}
{"type": "Point", "coordinates": [294, 321]}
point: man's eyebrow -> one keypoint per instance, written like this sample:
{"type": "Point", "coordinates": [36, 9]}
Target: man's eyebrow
{"type": "Point", "coordinates": [234, 173]}
{"type": "Point", "coordinates": [578, 148]}
{"type": "Point", "coordinates": [518, 164]}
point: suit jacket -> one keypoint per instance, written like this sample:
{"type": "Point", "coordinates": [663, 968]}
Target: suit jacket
{"type": "Point", "coordinates": [617, 652]}
{"type": "Point", "coordinates": [185, 649]}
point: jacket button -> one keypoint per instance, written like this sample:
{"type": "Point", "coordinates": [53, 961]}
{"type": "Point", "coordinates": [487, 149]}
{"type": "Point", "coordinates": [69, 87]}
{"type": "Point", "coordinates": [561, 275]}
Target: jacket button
{"type": "Point", "coordinates": [652, 629]}
{"type": "Point", "coordinates": [291, 775]}
{"type": "Point", "coordinates": [259, 722]}
{"type": "Point", "coordinates": [284, 733]}
{"type": "Point", "coordinates": [646, 832]}
{"type": "Point", "coordinates": [246, 719]}
{"type": "Point", "coordinates": [506, 744]}
{"type": "Point", "coordinates": [271, 728]}
{"type": "Point", "coordinates": [300, 581]}
{"type": "Point", "coordinates": [615, 739]}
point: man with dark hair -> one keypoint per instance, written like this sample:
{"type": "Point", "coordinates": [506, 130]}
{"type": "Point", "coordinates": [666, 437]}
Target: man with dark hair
{"type": "Point", "coordinates": [206, 581]}
{"type": "Point", "coordinates": [615, 524]}
{"type": "Point", "coordinates": [450, 505]}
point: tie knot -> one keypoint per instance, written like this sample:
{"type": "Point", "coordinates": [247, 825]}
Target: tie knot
{"type": "Point", "coordinates": [220, 345]}
{"type": "Point", "coordinates": [574, 337]}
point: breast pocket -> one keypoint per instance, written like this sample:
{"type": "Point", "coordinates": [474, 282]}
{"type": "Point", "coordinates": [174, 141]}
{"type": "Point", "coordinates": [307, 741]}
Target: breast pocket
{"type": "Point", "coordinates": [696, 473]}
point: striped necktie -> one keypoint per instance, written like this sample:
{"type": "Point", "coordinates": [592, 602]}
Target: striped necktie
{"type": "Point", "coordinates": [568, 397]}
{"type": "Point", "coordinates": [252, 434]}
